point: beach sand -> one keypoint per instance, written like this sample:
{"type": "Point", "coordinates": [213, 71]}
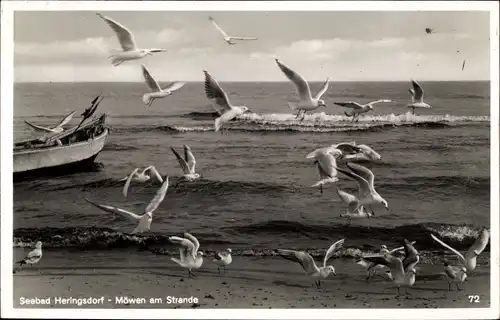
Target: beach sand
{"type": "Point", "coordinates": [250, 282]}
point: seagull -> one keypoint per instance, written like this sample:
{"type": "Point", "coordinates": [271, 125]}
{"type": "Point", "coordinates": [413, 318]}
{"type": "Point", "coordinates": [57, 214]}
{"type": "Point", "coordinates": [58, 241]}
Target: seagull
{"type": "Point", "coordinates": [190, 257]}
{"type": "Point", "coordinates": [146, 217]}
{"type": "Point", "coordinates": [227, 38]}
{"type": "Point", "coordinates": [90, 110]}
{"type": "Point", "coordinates": [307, 102]}
{"type": "Point", "coordinates": [308, 264]}
{"type": "Point", "coordinates": [220, 102]}
{"type": "Point", "coordinates": [463, 65]}
{"type": "Point", "coordinates": [57, 129]}
{"type": "Point", "coordinates": [417, 97]}
{"type": "Point", "coordinates": [402, 271]}
{"type": "Point", "coordinates": [354, 210]}
{"type": "Point", "coordinates": [429, 30]}
{"type": "Point", "coordinates": [156, 91]}
{"type": "Point", "coordinates": [326, 164]}
{"type": "Point", "coordinates": [140, 177]}
{"type": "Point", "coordinates": [469, 260]}
{"type": "Point", "coordinates": [34, 256]}
{"type": "Point", "coordinates": [187, 163]}
{"type": "Point", "coordinates": [223, 258]}
{"type": "Point", "coordinates": [366, 190]}
{"type": "Point", "coordinates": [127, 42]}
{"type": "Point", "coordinates": [454, 274]}
{"type": "Point", "coordinates": [358, 109]}
{"type": "Point", "coordinates": [371, 267]}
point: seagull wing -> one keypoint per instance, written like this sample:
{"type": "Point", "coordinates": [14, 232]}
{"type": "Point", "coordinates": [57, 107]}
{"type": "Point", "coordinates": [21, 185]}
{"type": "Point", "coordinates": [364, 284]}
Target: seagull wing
{"type": "Point", "coordinates": [38, 128]}
{"type": "Point", "coordinates": [193, 239]}
{"type": "Point", "coordinates": [155, 173]}
{"type": "Point", "coordinates": [225, 117]}
{"type": "Point", "coordinates": [363, 172]}
{"type": "Point", "coordinates": [418, 91]}
{"type": "Point", "coordinates": [349, 104]}
{"type": "Point", "coordinates": [348, 147]}
{"type": "Point", "coordinates": [160, 195]}
{"type": "Point", "coordinates": [174, 86]}
{"type": "Point", "coordinates": [224, 34]}
{"type": "Point", "coordinates": [125, 37]}
{"type": "Point", "coordinates": [331, 251]}
{"type": "Point", "coordinates": [377, 259]}
{"type": "Point", "coordinates": [65, 120]}
{"type": "Point", "coordinates": [215, 93]}
{"type": "Point", "coordinates": [411, 255]}
{"type": "Point", "coordinates": [463, 65]}
{"type": "Point", "coordinates": [305, 260]}
{"type": "Point", "coordinates": [185, 243]}
{"type": "Point", "coordinates": [399, 248]}
{"type": "Point", "coordinates": [243, 38]}
{"type": "Point", "coordinates": [189, 157]}
{"type": "Point", "coordinates": [127, 184]}
{"type": "Point", "coordinates": [363, 185]}
{"type": "Point", "coordinates": [349, 199]}
{"type": "Point", "coordinates": [300, 83]}
{"type": "Point", "coordinates": [479, 245]}
{"type": "Point", "coordinates": [182, 162]}
{"type": "Point", "coordinates": [150, 81]}
{"type": "Point", "coordinates": [326, 165]}
{"type": "Point", "coordinates": [459, 255]}
{"type": "Point", "coordinates": [323, 90]}
{"type": "Point", "coordinates": [115, 210]}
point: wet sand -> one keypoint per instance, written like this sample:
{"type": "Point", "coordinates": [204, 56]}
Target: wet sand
{"type": "Point", "coordinates": [250, 282]}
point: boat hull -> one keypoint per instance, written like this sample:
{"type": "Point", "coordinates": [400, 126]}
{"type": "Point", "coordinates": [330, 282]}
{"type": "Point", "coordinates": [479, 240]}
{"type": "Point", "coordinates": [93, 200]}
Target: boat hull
{"type": "Point", "coordinates": [58, 160]}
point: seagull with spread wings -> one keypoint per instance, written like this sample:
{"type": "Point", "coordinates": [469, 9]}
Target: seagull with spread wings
{"type": "Point", "coordinates": [469, 261]}
{"type": "Point", "coordinates": [364, 177]}
{"type": "Point", "coordinates": [130, 51]}
{"type": "Point", "coordinates": [90, 110]}
{"type": "Point", "coordinates": [417, 97]}
{"type": "Point", "coordinates": [324, 158]}
{"type": "Point", "coordinates": [56, 129]}
{"type": "Point", "coordinates": [190, 258]}
{"type": "Point", "coordinates": [220, 102]}
{"type": "Point", "coordinates": [188, 163]}
{"type": "Point", "coordinates": [371, 267]}
{"type": "Point", "coordinates": [156, 91]}
{"type": "Point", "coordinates": [140, 177]}
{"type": "Point", "coordinates": [144, 220]}
{"type": "Point", "coordinates": [402, 272]}
{"type": "Point", "coordinates": [353, 209]}
{"type": "Point", "coordinates": [307, 101]}
{"type": "Point", "coordinates": [358, 109]}
{"type": "Point", "coordinates": [228, 39]}
{"type": "Point", "coordinates": [308, 264]}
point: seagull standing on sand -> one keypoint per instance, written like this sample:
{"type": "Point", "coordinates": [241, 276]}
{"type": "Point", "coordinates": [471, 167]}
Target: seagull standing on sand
{"type": "Point", "coordinates": [34, 256]}
{"type": "Point", "coordinates": [307, 102]}
{"type": "Point", "coordinates": [57, 129]}
{"type": "Point", "coordinates": [228, 39]}
{"type": "Point", "coordinates": [140, 177]}
{"type": "Point", "coordinates": [366, 190]}
{"type": "Point", "coordinates": [156, 91]}
{"type": "Point", "coordinates": [220, 102]}
{"type": "Point", "coordinates": [188, 163]}
{"type": "Point", "coordinates": [127, 42]}
{"type": "Point", "coordinates": [223, 259]}
{"type": "Point", "coordinates": [402, 272]}
{"type": "Point", "coordinates": [326, 164]}
{"type": "Point", "coordinates": [371, 267]}
{"type": "Point", "coordinates": [454, 274]}
{"type": "Point", "coordinates": [358, 109]}
{"type": "Point", "coordinates": [469, 260]}
{"type": "Point", "coordinates": [144, 220]}
{"type": "Point", "coordinates": [354, 210]}
{"type": "Point", "coordinates": [190, 257]}
{"type": "Point", "coordinates": [417, 97]}
{"type": "Point", "coordinates": [308, 264]}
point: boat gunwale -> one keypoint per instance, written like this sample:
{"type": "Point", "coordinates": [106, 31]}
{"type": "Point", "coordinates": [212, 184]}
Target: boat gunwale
{"type": "Point", "coordinates": [77, 144]}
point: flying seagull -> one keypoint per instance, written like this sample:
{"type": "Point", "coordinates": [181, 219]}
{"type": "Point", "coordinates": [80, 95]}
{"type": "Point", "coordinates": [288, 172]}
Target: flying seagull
{"type": "Point", "coordinates": [130, 51]}
{"type": "Point", "coordinates": [324, 159]}
{"type": "Point", "coordinates": [307, 101]}
{"type": "Point", "coordinates": [156, 91]}
{"type": "Point", "coordinates": [220, 102]}
{"type": "Point", "coordinates": [57, 129]}
{"type": "Point", "coordinates": [188, 163]}
{"type": "Point", "coordinates": [140, 177]}
{"type": "Point", "coordinates": [228, 39]}
{"type": "Point", "coordinates": [90, 110]}
{"type": "Point", "coordinates": [357, 108]}
{"type": "Point", "coordinates": [417, 97]}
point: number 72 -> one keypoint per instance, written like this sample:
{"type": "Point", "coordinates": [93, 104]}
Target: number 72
{"type": "Point", "coordinates": [474, 299]}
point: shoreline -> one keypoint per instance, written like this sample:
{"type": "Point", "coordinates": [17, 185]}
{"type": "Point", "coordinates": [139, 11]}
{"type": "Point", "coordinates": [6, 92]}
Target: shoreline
{"type": "Point", "coordinates": [250, 282]}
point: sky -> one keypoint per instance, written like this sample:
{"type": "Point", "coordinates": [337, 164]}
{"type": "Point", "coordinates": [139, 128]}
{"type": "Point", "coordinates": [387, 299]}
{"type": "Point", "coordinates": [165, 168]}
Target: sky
{"type": "Point", "coordinates": [73, 46]}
